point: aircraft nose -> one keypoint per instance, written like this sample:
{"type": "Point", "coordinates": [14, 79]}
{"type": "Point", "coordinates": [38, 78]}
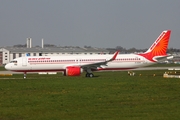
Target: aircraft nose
{"type": "Point", "coordinates": [7, 67]}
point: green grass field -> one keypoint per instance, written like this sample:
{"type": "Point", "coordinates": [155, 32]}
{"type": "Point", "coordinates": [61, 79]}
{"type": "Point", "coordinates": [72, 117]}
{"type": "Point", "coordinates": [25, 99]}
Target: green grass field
{"type": "Point", "coordinates": [2, 68]}
{"type": "Point", "coordinates": [109, 95]}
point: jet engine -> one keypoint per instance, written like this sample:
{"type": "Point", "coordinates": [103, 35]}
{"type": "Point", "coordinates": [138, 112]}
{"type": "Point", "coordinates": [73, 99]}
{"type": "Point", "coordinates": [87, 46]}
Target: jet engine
{"type": "Point", "coordinates": [73, 71]}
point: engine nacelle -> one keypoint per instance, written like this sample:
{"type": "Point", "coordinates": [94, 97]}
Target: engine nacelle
{"type": "Point", "coordinates": [73, 71]}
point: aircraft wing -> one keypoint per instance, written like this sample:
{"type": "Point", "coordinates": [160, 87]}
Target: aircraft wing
{"type": "Point", "coordinates": [98, 64]}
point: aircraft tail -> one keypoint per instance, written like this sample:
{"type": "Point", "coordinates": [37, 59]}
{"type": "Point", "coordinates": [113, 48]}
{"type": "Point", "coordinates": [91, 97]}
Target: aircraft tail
{"type": "Point", "coordinates": [159, 48]}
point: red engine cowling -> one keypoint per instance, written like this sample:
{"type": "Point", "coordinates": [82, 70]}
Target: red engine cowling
{"type": "Point", "coordinates": [73, 71]}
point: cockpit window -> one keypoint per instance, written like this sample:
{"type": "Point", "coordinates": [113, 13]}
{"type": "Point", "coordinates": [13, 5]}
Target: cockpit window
{"type": "Point", "coordinates": [14, 61]}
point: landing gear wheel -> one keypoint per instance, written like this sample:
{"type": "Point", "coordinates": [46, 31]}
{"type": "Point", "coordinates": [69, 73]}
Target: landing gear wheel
{"type": "Point", "coordinates": [89, 75]}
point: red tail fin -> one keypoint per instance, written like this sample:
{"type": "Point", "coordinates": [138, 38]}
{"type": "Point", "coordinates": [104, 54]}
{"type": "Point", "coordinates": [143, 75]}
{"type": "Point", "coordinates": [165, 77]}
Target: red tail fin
{"type": "Point", "coordinates": [159, 47]}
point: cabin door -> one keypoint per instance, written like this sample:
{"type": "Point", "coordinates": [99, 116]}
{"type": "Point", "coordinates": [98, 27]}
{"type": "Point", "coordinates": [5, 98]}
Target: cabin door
{"type": "Point", "coordinates": [24, 61]}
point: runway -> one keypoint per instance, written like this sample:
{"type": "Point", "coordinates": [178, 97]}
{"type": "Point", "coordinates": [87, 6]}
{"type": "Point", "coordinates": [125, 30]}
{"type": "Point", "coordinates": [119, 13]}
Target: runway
{"type": "Point", "coordinates": [158, 68]}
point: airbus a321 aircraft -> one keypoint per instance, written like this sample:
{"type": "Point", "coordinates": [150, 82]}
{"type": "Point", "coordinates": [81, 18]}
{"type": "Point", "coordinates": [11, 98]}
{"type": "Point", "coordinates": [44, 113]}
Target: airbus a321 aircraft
{"type": "Point", "coordinates": [75, 65]}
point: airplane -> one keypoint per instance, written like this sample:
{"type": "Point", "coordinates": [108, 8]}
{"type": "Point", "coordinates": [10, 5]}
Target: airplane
{"type": "Point", "coordinates": [75, 65]}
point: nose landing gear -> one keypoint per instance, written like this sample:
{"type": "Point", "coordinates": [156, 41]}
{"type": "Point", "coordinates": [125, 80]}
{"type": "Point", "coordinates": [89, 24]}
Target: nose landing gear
{"type": "Point", "coordinates": [24, 75]}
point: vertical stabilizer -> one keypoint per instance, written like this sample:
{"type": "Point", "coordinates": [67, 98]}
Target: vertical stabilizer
{"type": "Point", "coordinates": [159, 47]}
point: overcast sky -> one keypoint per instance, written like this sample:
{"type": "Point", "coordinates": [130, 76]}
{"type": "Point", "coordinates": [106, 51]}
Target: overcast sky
{"type": "Point", "coordinates": [96, 23]}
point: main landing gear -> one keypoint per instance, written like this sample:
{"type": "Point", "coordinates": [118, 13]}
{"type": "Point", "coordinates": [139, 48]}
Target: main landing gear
{"type": "Point", "coordinates": [89, 73]}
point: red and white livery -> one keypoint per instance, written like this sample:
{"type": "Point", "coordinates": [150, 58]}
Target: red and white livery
{"type": "Point", "coordinates": [75, 65]}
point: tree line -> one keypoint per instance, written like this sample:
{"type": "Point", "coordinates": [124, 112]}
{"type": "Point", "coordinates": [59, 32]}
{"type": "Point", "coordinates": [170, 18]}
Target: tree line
{"type": "Point", "coordinates": [134, 50]}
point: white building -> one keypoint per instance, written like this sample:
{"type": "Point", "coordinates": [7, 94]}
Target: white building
{"type": "Point", "coordinates": [9, 53]}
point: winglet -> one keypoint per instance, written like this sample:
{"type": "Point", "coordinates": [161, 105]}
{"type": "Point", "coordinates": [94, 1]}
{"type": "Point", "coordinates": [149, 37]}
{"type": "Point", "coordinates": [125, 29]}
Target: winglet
{"type": "Point", "coordinates": [114, 56]}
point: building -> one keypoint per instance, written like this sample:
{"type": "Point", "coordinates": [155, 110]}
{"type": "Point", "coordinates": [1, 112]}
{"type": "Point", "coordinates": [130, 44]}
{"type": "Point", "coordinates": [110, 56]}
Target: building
{"type": "Point", "coordinates": [9, 53]}
{"type": "Point", "coordinates": [4, 56]}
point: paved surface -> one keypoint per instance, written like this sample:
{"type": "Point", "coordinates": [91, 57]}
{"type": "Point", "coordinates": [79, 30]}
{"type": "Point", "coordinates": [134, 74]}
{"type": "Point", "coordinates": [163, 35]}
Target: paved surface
{"type": "Point", "coordinates": [10, 72]}
{"type": "Point", "coordinates": [158, 68]}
